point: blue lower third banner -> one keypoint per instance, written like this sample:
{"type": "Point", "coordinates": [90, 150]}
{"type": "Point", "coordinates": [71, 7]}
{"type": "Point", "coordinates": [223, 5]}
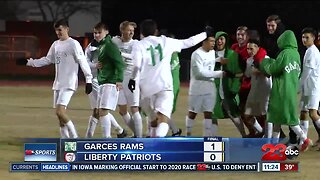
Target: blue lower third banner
{"type": "Point", "coordinates": [87, 167]}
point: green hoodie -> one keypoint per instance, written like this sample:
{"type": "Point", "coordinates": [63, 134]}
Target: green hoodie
{"type": "Point", "coordinates": [231, 86]}
{"type": "Point", "coordinates": [112, 63]}
{"type": "Point", "coordinates": [285, 71]}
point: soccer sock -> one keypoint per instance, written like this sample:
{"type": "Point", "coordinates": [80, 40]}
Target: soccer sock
{"type": "Point", "coordinates": [91, 127]}
{"type": "Point", "coordinates": [162, 129]}
{"type": "Point", "coordinates": [214, 129]}
{"type": "Point", "coordinates": [207, 125]}
{"type": "Point", "coordinates": [257, 126]}
{"type": "Point", "coordinates": [173, 126]}
{"type": "Point", "coordinates": [72, 129]}
{"type": "Point", "coordinates": [239, 125]}
{"type": "Point", "coordinates": [304, 126]}
{"type": "Point", "coordinates": [148, 126]}
{"type": "Point", "coordinates": [137, 124]}
{"type": "Point", "coordinates": [115, 124]}
{"type": "Point", "coordinates": [189, 125]}
{"type": "Point", "coordinates": [299, 132]}
{"type": "Point", "coordinates": [106, 126]}
{"type": "Point", "coordinates": [152, 132]}
{"type": "Point", "coordinates": [127, 119]}
{"type": "Point", "coordinates": [269, 130]}
{"type": "Point", "coordinates": [64, 132]}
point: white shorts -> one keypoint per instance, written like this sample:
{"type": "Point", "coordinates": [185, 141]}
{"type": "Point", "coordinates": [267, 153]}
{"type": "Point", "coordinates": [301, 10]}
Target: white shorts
{"type": "Point", "coordinates": [202, 103]}
{"type": "Point", "coordinates": [309, 102]}
{"type": "Point", "coordinates": [62, 97]}
{"type": "Point", "coordinates": [93, 96]}
{"type": "Point", "coordinates": [108, 96]}
{"type": "Point", "coordinates": [163, 102]}
{"type": "Point", "coordinates": [126, 96]}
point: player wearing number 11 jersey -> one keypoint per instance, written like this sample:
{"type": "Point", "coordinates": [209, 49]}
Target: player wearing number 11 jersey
{"type": "Point", "coordinates": [152, 56]}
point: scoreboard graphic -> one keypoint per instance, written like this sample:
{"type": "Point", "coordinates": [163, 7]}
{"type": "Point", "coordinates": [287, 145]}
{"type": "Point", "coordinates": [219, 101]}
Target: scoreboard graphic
{"type": "Point", "coordinates": [156, 154]}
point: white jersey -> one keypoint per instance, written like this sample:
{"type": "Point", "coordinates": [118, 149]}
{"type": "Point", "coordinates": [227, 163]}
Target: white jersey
{"type": "Point", "coordinates": [152, 56]}
{"type": "Point", "coordinates": [91, 54]}
{"type": "Point", "coordinates": [202, 72]}
{"type": "Point", "coordinates": [310, 77]}
{"type": "Point", "coordinates": [260, 85]}
{"type": "Point", "coordinates": [125, 48]}
{"type": "Point", "coordinates": [66, 55]}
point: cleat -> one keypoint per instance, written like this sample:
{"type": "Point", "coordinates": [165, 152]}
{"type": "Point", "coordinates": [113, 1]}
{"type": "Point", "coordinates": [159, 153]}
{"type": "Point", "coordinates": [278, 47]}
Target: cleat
{"type": "Point", "coordinates": [177, 133]}
{"type": "Point", "coordinates": [123, 134]}
{"type": "Point", "coordinates": [306, 143]}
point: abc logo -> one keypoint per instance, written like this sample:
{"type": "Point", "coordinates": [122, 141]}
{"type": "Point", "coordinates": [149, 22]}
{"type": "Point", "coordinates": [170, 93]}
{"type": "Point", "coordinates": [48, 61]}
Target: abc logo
{"type": "Point", "coordinates": [292, 152]}
{"type": "Point", "coordinates": [279, 152]}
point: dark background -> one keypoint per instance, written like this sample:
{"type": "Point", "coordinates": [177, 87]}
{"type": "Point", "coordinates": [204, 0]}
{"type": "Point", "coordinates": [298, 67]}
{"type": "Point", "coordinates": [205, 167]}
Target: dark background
{"type": "Point", "coordinates": [189, 18]}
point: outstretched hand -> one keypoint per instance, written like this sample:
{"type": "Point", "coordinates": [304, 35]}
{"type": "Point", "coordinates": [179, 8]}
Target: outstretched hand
{"type": "Point", "coordinates": [209, 31]}
{"type": "Point", "coordinates": [132, 85]}
{"type": "Point", "coordinates": [88, 88]}
{"type": "Point", "coordinates": [21, 61]}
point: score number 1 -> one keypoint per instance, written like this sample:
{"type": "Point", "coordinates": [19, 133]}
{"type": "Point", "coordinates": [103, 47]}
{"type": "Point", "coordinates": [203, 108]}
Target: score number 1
{"type": "Point", "coordinates": [213, 152]}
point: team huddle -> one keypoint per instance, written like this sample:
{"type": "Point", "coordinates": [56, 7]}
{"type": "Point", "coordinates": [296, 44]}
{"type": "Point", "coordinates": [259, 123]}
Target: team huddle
{"type": "Point", "coordinates": [252, 83]}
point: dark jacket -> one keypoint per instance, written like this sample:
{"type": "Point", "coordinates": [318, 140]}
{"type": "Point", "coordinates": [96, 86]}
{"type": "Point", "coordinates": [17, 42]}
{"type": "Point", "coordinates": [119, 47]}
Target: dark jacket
{"type": "Point", "coordinates": [269, 42]}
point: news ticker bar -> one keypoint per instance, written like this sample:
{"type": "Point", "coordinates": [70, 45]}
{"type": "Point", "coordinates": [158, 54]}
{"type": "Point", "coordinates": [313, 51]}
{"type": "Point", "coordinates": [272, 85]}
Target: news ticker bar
{"type": "Point", "coordinates": [92, 167]}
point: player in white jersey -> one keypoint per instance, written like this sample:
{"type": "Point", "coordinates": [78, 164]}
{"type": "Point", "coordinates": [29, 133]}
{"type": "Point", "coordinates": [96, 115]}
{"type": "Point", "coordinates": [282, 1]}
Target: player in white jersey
{"type": "Point", "coordinates": [310, 78]}
{"type": "Point", "coordinates": [202, 90]}
{"type": "Point", "coordinates": [152, 56]}
{"type": "Point", "coordinates": [67, 54]}
{"type": "Point", "coordinates": [92, 52]}
{"type": "Point", "coordinates": [258, 97]}
{"type": "Point", "coordinates": [126, 97]}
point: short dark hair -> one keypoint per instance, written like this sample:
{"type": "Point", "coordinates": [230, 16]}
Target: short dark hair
{"type": "Point", "coordinates": [61, 22]}
{"type": "Point", "coordinates": [310, 30]}
{"type": "Point", "coordinates": [254, 41]}
{"type": "Point", "coordinates": [101, 25]}
{"type": "Point", "coordinates": [274, 17]}
{"type": "Point", "coordinates": [148, 27]}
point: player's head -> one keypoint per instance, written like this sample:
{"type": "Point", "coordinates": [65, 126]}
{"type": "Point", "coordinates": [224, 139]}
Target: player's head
{"type": "Point", "coordinates": [253, 46]}
{"type": "Point", "coordinates": [272, 23]}
{"type": "Point", "coordinates": [309, 35]}
{"type": "Point", "coordinates": [100, 31]}
{"type": "Point", "coordinates": [208, 43]}
{"type": "Point", "coordinates": [221, 40]}
{"type": "Point", "coordinates": [127, 29]}
{"type": "Point", "coordinates": [61, 28]}
{"type": "Point", "coordinates": [148, 27]}
{"type": "Point", "coordinates": [242, 35]}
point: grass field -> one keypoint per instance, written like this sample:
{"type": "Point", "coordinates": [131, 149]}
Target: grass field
{"type": "Point", "coordinates": [26, 112]}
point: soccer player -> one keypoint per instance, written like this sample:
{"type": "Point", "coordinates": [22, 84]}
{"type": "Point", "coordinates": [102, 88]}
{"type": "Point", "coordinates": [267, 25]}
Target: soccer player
{"type": "Point", "coordinates": [202, 90]}
{"type": "Point", "coordinates": [92, 52]}
{"type": "Point", "coordinates": [126, 97]}
{"type": "Point", "coordinates": [110, 77]}
{"type": "Point", "coordinates": [67, 54]}
{"type": "Point", "coordinates": [285, 71]}
{"type": "Point", "coordinates": [152, 56]}
{"type": "Point", "coordinates": [309, 82]}
{"type": "Point", "coordinates": [229, 86]}
{"type": "Point", "coordinates": [258, 98]}
{"type": "Point", "coordinates": [175, 71]}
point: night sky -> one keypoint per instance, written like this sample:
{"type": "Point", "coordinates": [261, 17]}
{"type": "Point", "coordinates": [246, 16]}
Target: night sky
{"type": "Point", "coordinates": [189, 18]}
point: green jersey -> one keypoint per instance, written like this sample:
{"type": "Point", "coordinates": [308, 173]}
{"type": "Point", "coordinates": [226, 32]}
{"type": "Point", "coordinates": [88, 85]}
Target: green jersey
{"type": "Point", "coordinates": [112, 63]}
{"type": "Point", "coordinates": [285, 72]}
